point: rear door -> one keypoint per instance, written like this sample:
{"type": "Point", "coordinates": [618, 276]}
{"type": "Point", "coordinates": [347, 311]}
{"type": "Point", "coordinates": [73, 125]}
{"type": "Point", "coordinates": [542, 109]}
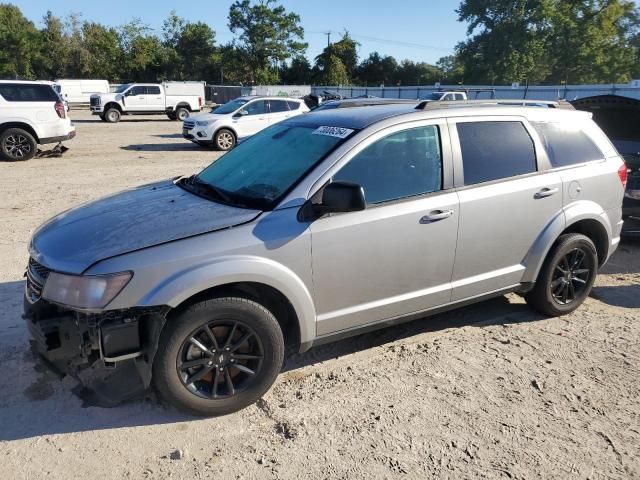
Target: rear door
{"type": "Point", "coordinates": [155, 99]}
{"type": "Point", "coordinates": [508, 195]}
{"type": "Point", "coordinates": [396, 256]}
{"type": "Point", "coordinates": [278, 111]}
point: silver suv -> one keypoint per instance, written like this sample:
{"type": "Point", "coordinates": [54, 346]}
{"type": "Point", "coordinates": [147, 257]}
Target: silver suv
{"type": "Point", "coordinates": [320, 227]}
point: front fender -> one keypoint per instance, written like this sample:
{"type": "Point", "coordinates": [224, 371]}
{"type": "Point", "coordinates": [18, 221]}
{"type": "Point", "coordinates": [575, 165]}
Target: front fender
{"type": "Point", "coordinates": [571, 214]}
{"type": "Point", "coordinates": [225, 270]}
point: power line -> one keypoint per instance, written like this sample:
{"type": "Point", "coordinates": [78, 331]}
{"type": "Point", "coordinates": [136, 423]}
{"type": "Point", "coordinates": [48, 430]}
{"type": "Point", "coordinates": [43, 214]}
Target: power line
{"type": "Point", "coordinates": [392, 42]}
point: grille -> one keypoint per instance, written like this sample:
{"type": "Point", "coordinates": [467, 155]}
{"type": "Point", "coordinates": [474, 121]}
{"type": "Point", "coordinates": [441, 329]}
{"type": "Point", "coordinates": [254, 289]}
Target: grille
{"type": "Point", "coordinates": [189, 124]}
{"type": "Point", "coordinates": [36, 276]}
{"type": "Point", "coordinates": [94, 101]}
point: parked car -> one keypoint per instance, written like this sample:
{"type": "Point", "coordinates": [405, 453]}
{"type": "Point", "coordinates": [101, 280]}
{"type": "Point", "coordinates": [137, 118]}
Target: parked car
{"type": "Point", "coordinates": [177, 100]}
{"type": "Point", "coordinates": [631, 204]}
{"type": "Point", "coordinates": [363, 102]}
{"type": "Point", "coordinates": [317, 228]}
{"type": "Point", "coordinates": [31, 114]}
{"type": "Point", "coordinates": [239, 119]}
{"type": "Point", "coordinates": [75, 91]}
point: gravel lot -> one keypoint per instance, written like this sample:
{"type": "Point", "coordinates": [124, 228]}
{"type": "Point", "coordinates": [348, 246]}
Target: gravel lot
{"type": "Point", "coordinates": [490, 391]}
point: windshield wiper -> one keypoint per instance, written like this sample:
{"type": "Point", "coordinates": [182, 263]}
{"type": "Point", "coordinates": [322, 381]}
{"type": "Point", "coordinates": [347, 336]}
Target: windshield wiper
{"type": "Point", "coordinates": [193, 183]}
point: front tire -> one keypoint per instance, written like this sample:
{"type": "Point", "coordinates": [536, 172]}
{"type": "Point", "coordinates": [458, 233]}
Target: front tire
{"type": "Point", "coordinates": [112, 115]}
{"type": "Point", "coordinates": [566, 277]}
{"type": "Point", "coordinates": [224, 139]}
{"type": "Point", "coordinates": [218, 356]}
{"type": "Point", "coordinates": [17, 145]}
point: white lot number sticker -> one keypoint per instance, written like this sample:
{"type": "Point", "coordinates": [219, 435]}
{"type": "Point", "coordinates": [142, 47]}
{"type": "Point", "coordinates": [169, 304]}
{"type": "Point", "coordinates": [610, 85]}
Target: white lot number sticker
{"type": "Point", "coordinates": [333, 131]}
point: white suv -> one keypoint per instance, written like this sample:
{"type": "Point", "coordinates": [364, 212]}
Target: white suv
{"type": "Point", "coordinates": [238, 119]}
{"type": "Point", "coordinates": [31, 113]}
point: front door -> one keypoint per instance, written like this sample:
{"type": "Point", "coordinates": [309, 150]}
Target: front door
{"type": "Point", "coordinates": [251, 119]}
{"type": "Point", "coordinates": [135, 99]}
{"type": "Point", "coordinates": [396, 256]}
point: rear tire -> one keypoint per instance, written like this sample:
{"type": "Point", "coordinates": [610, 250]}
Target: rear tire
{"type": "Point", "coordinates": [224, 139]}
{"type": "Point", "coordinates": [566, 277]}
{"type": "Point", "coordinates": [112, 115]}
{"type": "Point", "coordinates": [17, 145]}
{"type": "Point", "coordinates": [172, 116]}
{"type": "Point", "coordinates": [181, 114]}
{"type": "Point", "coordinates": [231, 372]}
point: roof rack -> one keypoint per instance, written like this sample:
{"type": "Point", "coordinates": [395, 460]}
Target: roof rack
{"type": "Point", "coordinates": [438, 104]}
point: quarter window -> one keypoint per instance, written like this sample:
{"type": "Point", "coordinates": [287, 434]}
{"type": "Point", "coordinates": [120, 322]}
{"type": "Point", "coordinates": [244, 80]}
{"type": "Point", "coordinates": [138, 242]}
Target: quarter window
{"type": "Point", "coordinates": [293, 105]}
{"type": "Point", "coordinates": [567, 144]}
{"type": "Point", "coordinates": [403, 164]}
{"type": "Point", "coordinates": [495, 150]}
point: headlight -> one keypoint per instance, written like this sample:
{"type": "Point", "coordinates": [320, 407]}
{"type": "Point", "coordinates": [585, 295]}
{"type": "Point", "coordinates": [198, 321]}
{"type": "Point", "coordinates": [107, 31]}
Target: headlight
{"type": "Point", "coordinates": [634, 194]}
{"type": "Point", "coordinates": [202, 123]}
{"type": "Point", "coordinates": [84, 292]}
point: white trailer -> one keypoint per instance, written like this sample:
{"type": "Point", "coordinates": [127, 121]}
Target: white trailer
{"type": "Point", "coordinates": [80, 91]}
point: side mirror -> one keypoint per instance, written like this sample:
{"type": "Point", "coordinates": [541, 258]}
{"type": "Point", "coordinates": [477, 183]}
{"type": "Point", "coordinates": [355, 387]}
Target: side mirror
{"type": "Point", "coordinates": [128, 93]}
{"type": "Point", "coordinates": [338, 197]}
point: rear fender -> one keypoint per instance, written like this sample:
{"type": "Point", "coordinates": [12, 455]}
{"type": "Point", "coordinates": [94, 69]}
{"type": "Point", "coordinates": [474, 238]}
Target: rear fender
{"type": "Point", "coordinates": [572, 214]}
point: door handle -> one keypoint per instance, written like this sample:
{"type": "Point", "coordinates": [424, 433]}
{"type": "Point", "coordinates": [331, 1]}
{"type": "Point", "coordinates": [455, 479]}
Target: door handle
{"type": "Point", "coordinates": [436, 215]}
{"type": "Point", "coordinates": [261, 118]}
{"type": "Point", "coordinates": [546, 192]}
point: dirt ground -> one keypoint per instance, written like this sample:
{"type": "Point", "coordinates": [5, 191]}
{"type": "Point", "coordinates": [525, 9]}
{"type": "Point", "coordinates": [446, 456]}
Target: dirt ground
{"type": "Point", "coordinates": [490, 391]}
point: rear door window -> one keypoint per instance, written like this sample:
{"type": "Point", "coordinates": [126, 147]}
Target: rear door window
{"type": "Point", "coordinates": [153, 90]}
{"type": "Point", "coordinates": [24, 92]}
{"type": "Point", "coordinates": [493, 150]}
{"type": "Point", "coordinates": [293, 105]}
{"type": "Point", "coordinates": [278, 106]}
{"type": "Point", "coordinates": [567, 144]}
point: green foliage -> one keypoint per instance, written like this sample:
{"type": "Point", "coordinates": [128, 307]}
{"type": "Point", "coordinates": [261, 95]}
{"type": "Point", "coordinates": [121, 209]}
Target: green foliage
{"type": "Point", "coordinates": [298, 73]}
{"type": "Point", "coordinates": [378, 70]}
{"type": "Point", "coordinates": [333, 73]}
{"type": "Point", "coordinates": [548, 41]}
{"type": "Point", "coordinates": [267, 36]}
{"type": "Point", "coordinates": [345, 50]}
{"type": "Point", "coordinates": [19, 44]}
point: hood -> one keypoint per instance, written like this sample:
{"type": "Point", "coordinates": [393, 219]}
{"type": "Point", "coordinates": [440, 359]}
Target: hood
{"type": "Point", "coordinates": [105, 96]}
{"type": "Point", "coordinates": [130, 220]}
{"type": "Point", "coordinates": [209, 117]}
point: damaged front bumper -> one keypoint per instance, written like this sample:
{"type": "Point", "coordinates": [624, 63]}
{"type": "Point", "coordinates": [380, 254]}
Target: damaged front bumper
{"type": "Point", "coordinates": [109, 353]}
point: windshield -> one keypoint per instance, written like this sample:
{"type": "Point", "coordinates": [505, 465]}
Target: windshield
{"type": "Point", "coordinates": [261, 170]}
{"type": "Point", "coordinates": [229, 107]}
{"type": "Point", "coordinates": [122, 88]}
{"type": "Point", "coordinates": [434, 96]}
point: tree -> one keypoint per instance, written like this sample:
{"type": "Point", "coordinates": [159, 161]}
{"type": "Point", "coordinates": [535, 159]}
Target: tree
{"type": "Point", "coordinates": [334, 72]}
{"type": "Point", "coordinates": [345, 50]}
{"type": "Point", "coordinates": [297, 73]}
{"type": "Point", "coordinates": [197, 51]}
{"type": "Point", "coordinates": [20, 45]}
{"type": "Point", "coordinates": [268, 35]}
{"type": "Point", "coordinates": [376, 70]}
{"type": "Point", "coordinates": [592, 41]}
{"type": "Point", "coordinates": [451, 68]}
{"type": "Point", "coordinates": [55, 47]}
{"type": "Point", "coordinates": [102, 46]}
{"type": "Point", "coordinates": [144, 54]}
{"type": "Point", "coordinates": [507, 40]}
{"type": "Point", "coordinates": [417, 73]}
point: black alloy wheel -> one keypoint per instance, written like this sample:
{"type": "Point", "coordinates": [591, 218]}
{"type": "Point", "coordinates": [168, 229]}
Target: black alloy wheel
{"type": "Point", "coordinates": [220, 359]}
{"type": "Point", "coordinates": [571, 276]}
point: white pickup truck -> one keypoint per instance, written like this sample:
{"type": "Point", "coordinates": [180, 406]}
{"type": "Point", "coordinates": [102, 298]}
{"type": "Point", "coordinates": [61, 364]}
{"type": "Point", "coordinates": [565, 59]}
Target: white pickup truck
{"type": "Point", "coordinates": [175, 99]}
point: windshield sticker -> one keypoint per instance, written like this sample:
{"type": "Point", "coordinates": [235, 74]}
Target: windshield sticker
{"type": "Point", "coordinates": [333, 131]}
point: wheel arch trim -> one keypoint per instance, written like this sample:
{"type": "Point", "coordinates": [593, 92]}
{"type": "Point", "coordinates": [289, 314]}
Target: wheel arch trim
{"type": "Point", "coordinates": [571, 215]}
{"type": "Point", "coordinates": [185, 284]}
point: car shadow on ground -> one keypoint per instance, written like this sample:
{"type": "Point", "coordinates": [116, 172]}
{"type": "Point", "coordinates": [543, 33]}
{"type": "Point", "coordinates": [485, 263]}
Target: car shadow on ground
{"type": "Point", "coordinates": [162, 147]}
{"type": "Point", "coordinates": [168, 135]}
{"type": "Point", "coordinates": [626, 259]}
{"type": "Point", "coordinates": [625, 296]}
{"type": "Point", "coordinates": [123, 120]}
{"type": "Point", "coordinates": [35, 401]}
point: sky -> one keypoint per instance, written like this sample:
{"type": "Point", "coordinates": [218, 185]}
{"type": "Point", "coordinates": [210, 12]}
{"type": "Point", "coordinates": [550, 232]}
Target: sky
{"type": "Point", "coordinates": [420, 30]}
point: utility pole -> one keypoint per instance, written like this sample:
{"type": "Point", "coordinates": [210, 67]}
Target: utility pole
{"type": "Point", "coordinates": [328, 34]}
